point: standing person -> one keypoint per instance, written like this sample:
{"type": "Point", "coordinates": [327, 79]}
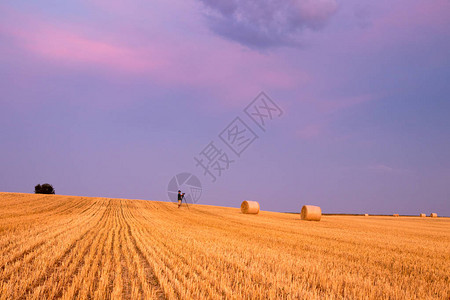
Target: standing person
{"type": "Point", "coordinates": [180, 198]}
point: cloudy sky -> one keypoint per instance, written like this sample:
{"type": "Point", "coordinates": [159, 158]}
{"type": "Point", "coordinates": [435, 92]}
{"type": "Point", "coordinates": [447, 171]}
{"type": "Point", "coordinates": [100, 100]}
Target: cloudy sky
{"type": "Point", "coordinates": [114, 98]}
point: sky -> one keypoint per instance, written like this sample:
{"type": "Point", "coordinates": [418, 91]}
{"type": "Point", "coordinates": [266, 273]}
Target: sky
{"type": "Point", "coordinates": [115, 98]}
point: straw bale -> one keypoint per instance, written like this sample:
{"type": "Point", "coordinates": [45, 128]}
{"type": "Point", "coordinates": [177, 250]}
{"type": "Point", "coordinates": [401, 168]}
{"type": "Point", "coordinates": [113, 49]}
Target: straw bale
{"type": "Point", "coordinates": [250, 207]}
{"type": "Point", "coordinates": [311, 213]}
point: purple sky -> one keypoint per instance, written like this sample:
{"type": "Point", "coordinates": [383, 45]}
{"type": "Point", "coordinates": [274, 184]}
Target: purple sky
{"type": "Point", "coordinates": [108, 98]}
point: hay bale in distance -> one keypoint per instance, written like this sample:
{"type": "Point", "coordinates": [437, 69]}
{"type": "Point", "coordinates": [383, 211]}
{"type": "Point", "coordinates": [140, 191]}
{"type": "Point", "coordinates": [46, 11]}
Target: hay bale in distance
{"type": "Point", "coordinates": [311, 213]}
{"type": "Point", "coordinates": [396, 215]}
{"type": "Point", "coordinates": [423, 215]}
{"type": "Point", "coordinates": [250, 207]}
{"type": "Point", "coordinates": [366, 215]}
{"type": "Point", "coordinates": [433, 215]}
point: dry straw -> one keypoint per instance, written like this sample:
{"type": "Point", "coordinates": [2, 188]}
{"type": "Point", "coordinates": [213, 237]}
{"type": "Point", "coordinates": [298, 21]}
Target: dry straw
{"type": "Point", "coordinates": [433, 215]}
{"type": "Point", "coordinates": [423, 215]}
{"type": "Point", "coordinates": [366, 215]}
{"type": "Point", "coordinates": [396, 215]}
{"type": "Point", "coordinates": [250, 207]}
{"type": "Point", "coordinates": [311, 213]}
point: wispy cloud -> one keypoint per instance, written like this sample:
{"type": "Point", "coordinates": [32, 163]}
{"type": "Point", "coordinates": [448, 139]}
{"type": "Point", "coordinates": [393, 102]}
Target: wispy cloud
{"type": "Point", "coordinates": [338, 103]}
{"type": "Point", "coordinates": [64, 45]}
{"type": "Point", "coordinates": [310, 131]}
{"type": "Point", "coordinates": [381, 167]}
{"type": "Point", "coordinates": [217, 66]}
{"type": "Point", "coordinates": [386, 169]}
{"type": "Point", "coordinates": [378, 168]}
{"type": "Point", "coordinates": [403, 23]}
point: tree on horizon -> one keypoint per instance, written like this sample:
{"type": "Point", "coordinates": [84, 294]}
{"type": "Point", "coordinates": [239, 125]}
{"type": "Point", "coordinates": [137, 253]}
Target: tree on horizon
{"type": "Point", "coordinates": [44, 189]}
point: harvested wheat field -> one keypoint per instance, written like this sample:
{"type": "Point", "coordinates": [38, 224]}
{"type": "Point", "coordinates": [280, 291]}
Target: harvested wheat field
{"type": "Point", "coordinates": [99, 248]}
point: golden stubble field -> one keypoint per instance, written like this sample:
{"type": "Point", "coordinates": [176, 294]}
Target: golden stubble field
{"type": "Point", "coordinates": [99, 248]}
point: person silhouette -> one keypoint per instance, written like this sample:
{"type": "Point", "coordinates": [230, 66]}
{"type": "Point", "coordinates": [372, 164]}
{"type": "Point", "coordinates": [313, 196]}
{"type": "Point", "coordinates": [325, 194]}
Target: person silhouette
{"type": "Point", "coordinates": [180, 198]}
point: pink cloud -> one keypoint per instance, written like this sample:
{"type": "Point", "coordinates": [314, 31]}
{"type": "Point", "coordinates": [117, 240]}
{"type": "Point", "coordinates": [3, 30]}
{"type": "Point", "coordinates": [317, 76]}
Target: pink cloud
{"type": "Point", "coordinates": [379, 168]}
{"type": "Point", "coordinates": [231, 74]}
{"type": "Point", "coordinates": [407, 22]}
{"type": "Point", "coordinates": [73, 49]}
{"type": "Point", "coordinates": [310, 131]}
{"type": "Point", "coordinates": [332, 105]}
{"type": "Point", "coordinates": [235, 75]}
{"type": "Point", "coordinates": [324, 108]}
{"type": "Point", "coordinates": [386, 169]}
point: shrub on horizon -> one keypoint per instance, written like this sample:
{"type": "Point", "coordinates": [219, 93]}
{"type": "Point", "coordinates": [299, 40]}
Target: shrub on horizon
{"type": "Point", "coordinates": [44, 189]}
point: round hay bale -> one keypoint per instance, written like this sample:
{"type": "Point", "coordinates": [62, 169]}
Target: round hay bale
{"type": "Point", "coordinates": [396, 215]}
{"type": "Point", "coordinates": [366, 215]}
{"type": "Point", "coordinates": [433, 215]}
{"type": "Point", "coordinates": [250, 207]}
{"type": "Point", "coordinates": [311, 213]}
{"type": "Point", "coordinates": [423, 215]}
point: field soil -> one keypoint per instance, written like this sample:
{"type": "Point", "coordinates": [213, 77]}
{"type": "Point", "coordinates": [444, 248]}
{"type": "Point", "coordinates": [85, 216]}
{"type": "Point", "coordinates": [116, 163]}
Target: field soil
{"type": "Point", "coordinates": [70, 247]}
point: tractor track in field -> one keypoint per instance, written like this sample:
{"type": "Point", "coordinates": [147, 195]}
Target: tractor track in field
{"type": "Point", "coordinates": [37, 246]}
{"type": "Point", "coordinates": [149, 272]}
{"type": "Point", "coordinates": [58, 262]}
{"type": "Point", "coordinates": [89, 239]}
{"type": "Point", "coordinates": [7, 247]}
{"type": "Point", "coordinates": [161, 250]}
